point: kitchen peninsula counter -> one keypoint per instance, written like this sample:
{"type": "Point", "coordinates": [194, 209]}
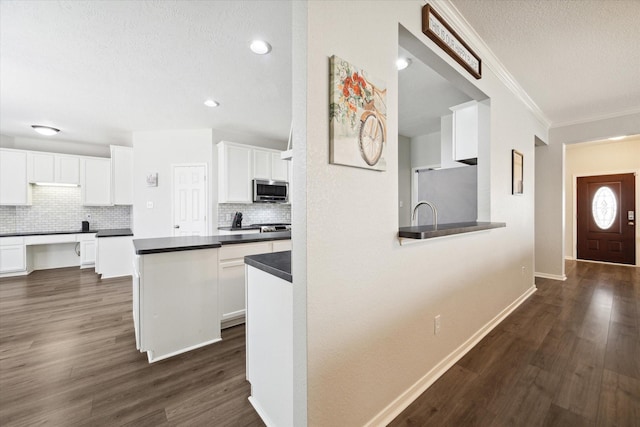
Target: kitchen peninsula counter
{"type": "Point", "coordinates": [275, 263]}
{"type": "Point", "coordinates": [187, 243]}
{"type": "Point", "coordinates": [421, 232]}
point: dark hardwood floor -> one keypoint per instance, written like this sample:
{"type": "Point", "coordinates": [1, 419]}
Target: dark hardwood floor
{"type": "Point", "coordinates": [568, 356]}
{"type": "Point", "coordinates": [68, 357]}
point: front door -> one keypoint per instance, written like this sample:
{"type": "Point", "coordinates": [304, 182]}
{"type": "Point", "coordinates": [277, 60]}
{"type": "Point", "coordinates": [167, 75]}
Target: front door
{"type": "Point", "coordinates": [189, 200]}
{"type": "Point", "coordinates": [606, 218]}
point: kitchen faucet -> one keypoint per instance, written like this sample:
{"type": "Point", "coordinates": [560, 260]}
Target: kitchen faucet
{"type": "Point", "coordinates": [434, 211]}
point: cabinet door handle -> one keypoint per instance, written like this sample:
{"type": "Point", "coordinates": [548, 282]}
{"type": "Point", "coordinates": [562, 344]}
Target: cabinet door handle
{"type": "Point", "coordinates": [176, 226]}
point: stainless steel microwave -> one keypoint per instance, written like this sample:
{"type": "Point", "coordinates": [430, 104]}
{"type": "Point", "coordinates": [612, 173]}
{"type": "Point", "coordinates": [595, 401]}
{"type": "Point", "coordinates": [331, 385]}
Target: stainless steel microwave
{"type": "Point", "coordinates": [265, 191]}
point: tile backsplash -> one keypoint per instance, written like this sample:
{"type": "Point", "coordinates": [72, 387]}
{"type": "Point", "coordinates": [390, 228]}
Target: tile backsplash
{"type": "Point", "coordinates": [256, 213]}
{"type": "Point", "coordinates": [60, 209]}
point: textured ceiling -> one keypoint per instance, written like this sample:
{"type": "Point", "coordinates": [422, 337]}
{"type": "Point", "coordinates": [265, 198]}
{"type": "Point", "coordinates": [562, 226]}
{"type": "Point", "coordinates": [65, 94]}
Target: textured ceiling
{"type": "Point", "coordinates": [99, 70]}
{"type": "Point", "coordinates": [577, 59]}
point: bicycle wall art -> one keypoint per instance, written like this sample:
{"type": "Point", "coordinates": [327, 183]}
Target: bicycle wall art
{"type": "Point", "coordinates": [358, 117]}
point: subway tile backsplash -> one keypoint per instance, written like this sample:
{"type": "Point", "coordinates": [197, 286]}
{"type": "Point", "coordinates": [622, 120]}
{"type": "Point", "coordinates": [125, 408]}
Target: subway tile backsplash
{"type": "Point", "coordinates": [256, 213]}
{"type": "Point", "coordinates": [60, 209]}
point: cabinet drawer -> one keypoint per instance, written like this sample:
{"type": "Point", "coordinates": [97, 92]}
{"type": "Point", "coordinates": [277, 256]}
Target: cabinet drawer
{"type": "Point", "coordinates": [50, 239]}
{"type": "Point", "coordinates": [7, 241]}
{"type": "Point", "coordinates": [244, 249]}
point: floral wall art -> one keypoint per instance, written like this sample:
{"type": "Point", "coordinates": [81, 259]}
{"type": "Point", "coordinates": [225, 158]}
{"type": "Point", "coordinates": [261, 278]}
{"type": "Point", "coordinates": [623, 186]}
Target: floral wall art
{"type": "Point", "coordinates": [358, 117]}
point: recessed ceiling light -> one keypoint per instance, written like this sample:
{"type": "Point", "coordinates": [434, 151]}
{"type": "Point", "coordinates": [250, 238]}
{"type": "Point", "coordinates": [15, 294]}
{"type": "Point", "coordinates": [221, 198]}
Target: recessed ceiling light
{"type": "Point", "coordinates": [617, 138]}
{"type": "Point", "coordinates": [403, 63]}
{"type": "Point", "coordinates": [211, 103]}
{"type": "Point", "coordinates": [260, 47]}
{"type": "Point", "coordinates": [45, 130]}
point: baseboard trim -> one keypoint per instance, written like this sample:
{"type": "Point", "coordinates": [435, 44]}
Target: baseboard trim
{"type": "Point", "coordinates": [569, 258]}
{"type": "Point", "coordinates": [396, 407]}
{"type": "Point", "coordinates": [550, 276]}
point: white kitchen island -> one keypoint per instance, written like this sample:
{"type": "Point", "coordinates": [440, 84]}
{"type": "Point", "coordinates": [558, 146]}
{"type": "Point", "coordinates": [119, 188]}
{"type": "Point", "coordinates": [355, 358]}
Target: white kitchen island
{"type": "Point", "coordinates": [269, 336]}
{"type": "Point", "coordinates": [185, 289]}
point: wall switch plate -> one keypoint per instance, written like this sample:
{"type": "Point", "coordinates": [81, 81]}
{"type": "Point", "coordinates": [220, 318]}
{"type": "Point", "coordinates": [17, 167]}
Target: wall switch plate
{"type": "Point", "coordinates": [149, 205]}
{"type": "Point", "coordinates": [436, 325]}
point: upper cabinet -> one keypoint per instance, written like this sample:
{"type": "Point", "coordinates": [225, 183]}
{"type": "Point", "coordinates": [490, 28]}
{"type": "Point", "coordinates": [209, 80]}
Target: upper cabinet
{"type": "Point", "coordinates": [122, 175]}
{"type": "Point", "coordinates": [52, 168]}
{"type": "Point", "coordinates": [239, 164]}
{"type": "Point", "coordinates": [267, 164]}
{"type": "Point", "coordinates": [465, 132]}
{"type": "Point", "coordinates": [95, 181]}
{"type": "Point", "coordinates": [14, 187]}
{"type": "Point", "coordinates": [234, 173]}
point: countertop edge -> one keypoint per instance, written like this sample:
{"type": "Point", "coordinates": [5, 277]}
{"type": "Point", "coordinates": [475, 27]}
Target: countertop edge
{"type": "Point", "coordinates": [115, 232]}
{"type": "Point", "coordinates": [430, 234]}
{"type": "Point", "coordinates": [165, 244]}
{"type": "Point", "coordinates": [261, 262]}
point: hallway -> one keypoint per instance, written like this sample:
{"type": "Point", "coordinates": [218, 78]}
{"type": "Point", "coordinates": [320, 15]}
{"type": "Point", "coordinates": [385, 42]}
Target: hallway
{"type": "Point", "coordinates": [568, 356]}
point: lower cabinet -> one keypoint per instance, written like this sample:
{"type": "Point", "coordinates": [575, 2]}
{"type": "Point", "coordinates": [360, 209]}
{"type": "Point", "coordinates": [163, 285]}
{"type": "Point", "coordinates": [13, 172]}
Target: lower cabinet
{"type": "Point", "coordinates": [114, 256]}
{"type": "Point", "coordinates": [231, 279]}
{"type": "Point", "coordinates": [13, 256]}
{"type": "Point", "coordinates": [87, 250]}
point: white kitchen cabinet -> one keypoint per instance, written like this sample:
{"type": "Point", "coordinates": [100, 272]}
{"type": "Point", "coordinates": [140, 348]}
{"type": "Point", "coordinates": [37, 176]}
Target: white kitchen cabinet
{"type": "Point", "coordinates": [231, 279]}
{"type": "Point", "coordinates": [470, 129]}
{"type": "Point", "coordinates": [114, 256]}
{"type": "Point", "coordinates": [50, 168]}
{"type": "Point", "coordinates": [13, 255]}
{"type": "Point", "coordinates": [67, 169]}
{"type": "Point", "coordinates": [231, 276]}
{"type": "Point", "coordinates": [122, 175]}
{"type": "Point", "coordinates": [261, 164]}
{"type": "Point", "coordinates": [87, 249]}
{"type": "Point", "coordinates": [95, 177]}
{"type": "Point", "coordinates": [234, 173]}
{"type": "Point", "coordinates": [267, 164]}
{"type": "Point", "coordinates": [14, 186]}
{"type": "Point", "coordinates": [279, 167]}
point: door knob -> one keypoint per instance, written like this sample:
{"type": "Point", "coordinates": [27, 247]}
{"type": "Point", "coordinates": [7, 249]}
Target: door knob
{"type": "Point", "coordinates": [176, 226]}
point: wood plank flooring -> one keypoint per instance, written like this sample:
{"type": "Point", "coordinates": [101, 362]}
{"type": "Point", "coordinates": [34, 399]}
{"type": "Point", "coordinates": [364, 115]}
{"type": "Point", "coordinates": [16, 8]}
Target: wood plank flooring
{"type": "Point", "coordinates": [68, 357]}
{"type": "Point", "coordinates": [568, 356]}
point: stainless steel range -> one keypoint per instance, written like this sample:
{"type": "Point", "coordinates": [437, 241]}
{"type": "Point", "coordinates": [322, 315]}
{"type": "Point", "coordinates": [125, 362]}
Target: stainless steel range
{"type": "Point", "coordinates": [270, 227]}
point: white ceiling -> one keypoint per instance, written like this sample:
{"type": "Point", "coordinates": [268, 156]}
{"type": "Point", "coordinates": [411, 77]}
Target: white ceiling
{"type": "Point", "coordinates": [99, 70]}
{"type": "Point", "coordinates": [577, 59]}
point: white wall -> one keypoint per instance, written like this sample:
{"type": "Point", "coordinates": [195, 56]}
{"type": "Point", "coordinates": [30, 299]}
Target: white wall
{"type": "Point", "coordinates": [55, 145]}
{"type": "Point", "coordinates": [425, 150]}
{"type": "Point", "coordinates": [370, 302]}
{"type": "Point", "coordinates": [156, 151]}
{"type": "Point", "coordinates": [405, 148]}
{"type": "Point", "coordinates": [598, 159]}
{"type": "Point", "coordinates": [550, 186]}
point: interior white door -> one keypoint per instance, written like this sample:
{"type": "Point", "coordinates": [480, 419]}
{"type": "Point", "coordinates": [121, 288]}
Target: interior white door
{"type": "Point", "coordinates": [189, 201]}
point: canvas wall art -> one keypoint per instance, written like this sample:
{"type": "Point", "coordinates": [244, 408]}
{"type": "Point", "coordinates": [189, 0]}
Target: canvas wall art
{"type": "Point", "coordinates": [358, 117]}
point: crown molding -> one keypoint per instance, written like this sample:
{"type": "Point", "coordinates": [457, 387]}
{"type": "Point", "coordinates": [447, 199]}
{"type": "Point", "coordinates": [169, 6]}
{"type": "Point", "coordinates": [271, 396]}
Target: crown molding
{"type": "Point", "coordinates": [635, 110]}
{"type": "Point", "coordinates": [489, 59]}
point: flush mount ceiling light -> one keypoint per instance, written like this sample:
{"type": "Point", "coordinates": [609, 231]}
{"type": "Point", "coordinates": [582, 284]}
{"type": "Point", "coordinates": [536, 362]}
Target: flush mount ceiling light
{"type": "Point", "coordinates": [403, 63]}
{"type": "Point", "coordinates": [617, 138]}
{"type": "Point", "coordinates": [211, 103]}
{"type": "Point", "coordinates": [45, 130]}
{"type": "Point", "coordinates": [260, 47]}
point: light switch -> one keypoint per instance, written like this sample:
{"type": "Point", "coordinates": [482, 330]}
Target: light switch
{"type": "Point", "coordinates": [149, 205]}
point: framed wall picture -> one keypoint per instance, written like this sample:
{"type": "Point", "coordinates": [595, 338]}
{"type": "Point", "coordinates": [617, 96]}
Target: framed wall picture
{"type": "Point", "coordinates": [358, 117]}
{"type": "Point", "coordinates": [517, 172]}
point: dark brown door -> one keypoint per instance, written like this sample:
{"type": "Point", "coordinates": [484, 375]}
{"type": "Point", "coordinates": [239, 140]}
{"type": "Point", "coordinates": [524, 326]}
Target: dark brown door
{"type": "Point", "coordinates": [606, 218]}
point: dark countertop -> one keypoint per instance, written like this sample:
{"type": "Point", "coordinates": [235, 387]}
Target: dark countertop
{"type": "Point", "coordinates": [115, 232]}
{"type": "Point", "coordinates": [276, 263]}
{"type": "Point", "coordinates": [248, 227]}
{"type": "Point", "coordinates": [44, 233]}
{"type": "Point", "coordinates": [428, 232]}
{"type": "Point", "coordinates": [173, 244]}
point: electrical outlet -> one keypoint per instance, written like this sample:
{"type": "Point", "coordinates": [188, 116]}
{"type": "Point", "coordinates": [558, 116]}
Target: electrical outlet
{"type": "Point", "coordinates": [436, 325]}
{"type": "Point", "coordinates": [88, 216]}
{"type": "Point", "coordinates": [523, 270]}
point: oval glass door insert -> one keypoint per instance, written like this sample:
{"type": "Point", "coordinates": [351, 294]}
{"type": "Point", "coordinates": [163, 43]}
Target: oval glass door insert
{"type": "Point", "coordinates": [604, 207]}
